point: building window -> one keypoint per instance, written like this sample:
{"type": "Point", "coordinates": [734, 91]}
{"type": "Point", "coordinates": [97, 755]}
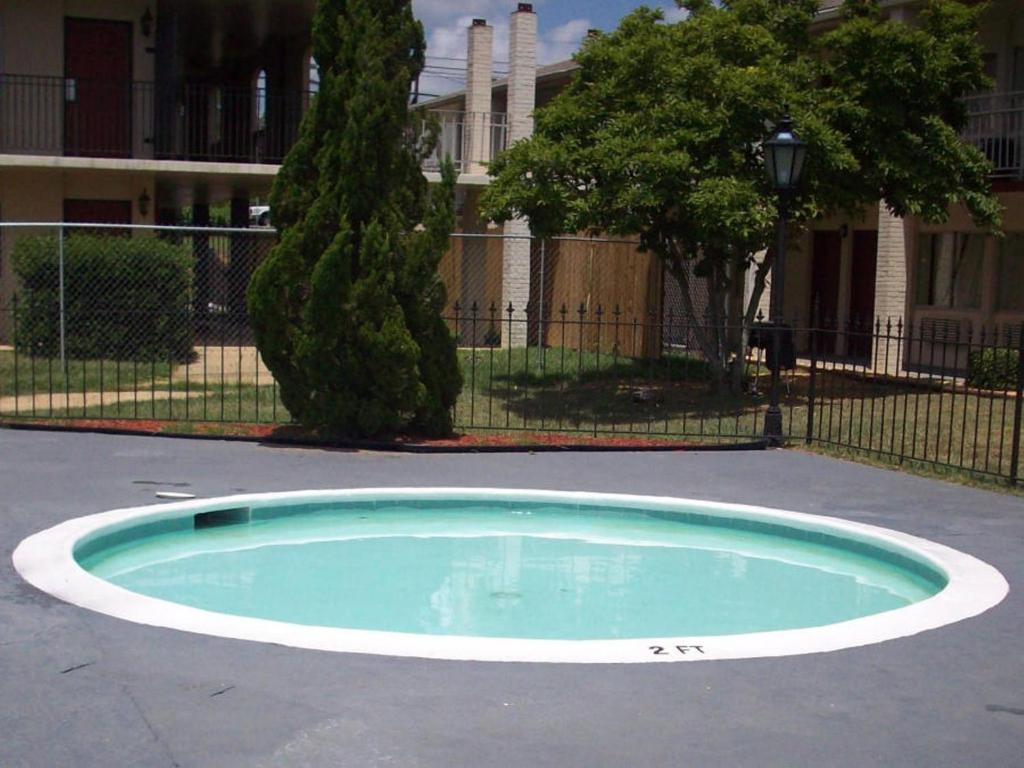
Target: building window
{"type": "Point", "coordinates": [261, 99]}
{"type": "Point", "coordinates": [1011, 273]}
{"type": "Point", "coordinates": [314, 76]}
{"type": "Point", "coordinates": [949, 269]}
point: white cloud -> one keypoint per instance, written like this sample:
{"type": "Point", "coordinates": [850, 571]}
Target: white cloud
{"type": "Point", "coordinates": [446, 42]}
{"type": "Point", "coordinates": [446, 22]}
{"type": "Point", "coordinates": [563, 41]}
{"type": "Point", "coordinates": [674, 13]}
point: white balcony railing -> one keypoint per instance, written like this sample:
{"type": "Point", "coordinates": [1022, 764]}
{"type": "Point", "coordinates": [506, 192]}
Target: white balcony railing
{"type": "Point", "coordinates": [470, 139]}
{"type": "Point", "coordinates": [996, 127]}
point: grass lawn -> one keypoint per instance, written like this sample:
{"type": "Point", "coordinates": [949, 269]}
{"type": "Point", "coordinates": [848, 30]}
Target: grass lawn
{"type": "Point", "coordinates": [22, 374]}
{"type": "Point", "coordinates": [562, 390]}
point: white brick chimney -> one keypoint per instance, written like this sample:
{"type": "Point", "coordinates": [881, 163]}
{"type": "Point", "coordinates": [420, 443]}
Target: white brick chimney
{"type": "Point", "coordinates": [522, 99]}
{"type": "Point", "coordinates": [522, 72]}
{"type": "Point", "coordinates": [480, 56]}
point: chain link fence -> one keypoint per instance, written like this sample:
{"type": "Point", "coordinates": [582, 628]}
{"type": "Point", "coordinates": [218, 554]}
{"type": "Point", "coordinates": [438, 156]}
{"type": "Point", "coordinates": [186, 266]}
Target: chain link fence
{"type": "Point", "coordinates": [566, 335]}
{"type": "Point", "coordinates": [116, 322]}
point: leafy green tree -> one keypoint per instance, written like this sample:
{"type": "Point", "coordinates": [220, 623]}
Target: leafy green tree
{"type": "Point", "coordinates": [660, 136]}
{"type": "Point", "coordinates": [347, 307]}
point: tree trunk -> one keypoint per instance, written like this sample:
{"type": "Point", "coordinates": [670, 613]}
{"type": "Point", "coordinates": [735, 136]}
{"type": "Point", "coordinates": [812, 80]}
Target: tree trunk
{"type": "Point", "coordinates": [736, 337]}
{"type": "Point", "coordinates": [760, 279]}
{"type": "Point", "coordinates": [722, 337]}
{"type": "Point", "coordinates": [701, 331]}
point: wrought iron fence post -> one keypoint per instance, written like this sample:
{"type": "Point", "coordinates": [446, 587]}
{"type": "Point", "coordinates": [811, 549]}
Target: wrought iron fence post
{"type": "Point", "coordinates": [61, 299]}
{"type": "Point", "coordinates": [1018, 410]}
{"type": "Point", "coordinates": [812, 384]}
{"type": "Point", "coordinates": [540, 315]}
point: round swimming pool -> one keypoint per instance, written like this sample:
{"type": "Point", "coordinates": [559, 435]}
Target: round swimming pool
{"type": "Point", "coordinates": [495, 574]}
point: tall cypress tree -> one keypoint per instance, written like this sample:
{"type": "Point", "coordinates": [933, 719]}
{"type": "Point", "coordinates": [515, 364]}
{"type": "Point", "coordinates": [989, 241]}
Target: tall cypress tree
{"type": "Point", "coordinates": [347, 307]}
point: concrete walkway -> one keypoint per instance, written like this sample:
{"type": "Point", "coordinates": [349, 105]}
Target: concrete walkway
{"type": "Point", "coordinates": [46, 404]}
{"type": "Point", "coordinates": [235, 365]}
{"type": "Point", "coordinates": [213, 366]}
{"type": "Point", "coordinates": [81, 689]}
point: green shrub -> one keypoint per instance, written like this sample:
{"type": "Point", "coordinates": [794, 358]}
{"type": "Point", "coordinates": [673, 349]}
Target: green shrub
{"type": "Point", "coordinates": [125, 298]}
{"type": "Point", "coordinates": [346, 309]}
{"type": "Point", "coordinates": [993, 368]}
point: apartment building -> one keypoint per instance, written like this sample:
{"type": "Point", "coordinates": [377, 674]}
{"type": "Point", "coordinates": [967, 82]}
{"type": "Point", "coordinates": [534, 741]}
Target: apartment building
{"type": "Point", "coordinates": [949, 280]}
{"type": "Point", "coordinates": [129, 110]}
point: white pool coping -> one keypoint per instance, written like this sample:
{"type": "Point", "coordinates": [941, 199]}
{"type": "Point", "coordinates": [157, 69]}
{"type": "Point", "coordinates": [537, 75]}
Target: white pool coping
{"type": "Point", "coordinates": [46, 561]}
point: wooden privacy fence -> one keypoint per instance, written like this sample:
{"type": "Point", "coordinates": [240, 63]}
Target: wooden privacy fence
{"type": "Point", "coordinates": [570, 277]}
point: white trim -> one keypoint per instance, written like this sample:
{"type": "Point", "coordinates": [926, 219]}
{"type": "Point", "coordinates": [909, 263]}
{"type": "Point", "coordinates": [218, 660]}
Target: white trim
{"type": "Point", "coordinates": [141, 165]}
{"type": "Point", "coordinates": [46, 560]}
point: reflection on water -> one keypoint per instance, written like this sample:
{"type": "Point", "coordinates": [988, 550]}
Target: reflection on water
{"type": "Point", "coordinates": [489, 573]}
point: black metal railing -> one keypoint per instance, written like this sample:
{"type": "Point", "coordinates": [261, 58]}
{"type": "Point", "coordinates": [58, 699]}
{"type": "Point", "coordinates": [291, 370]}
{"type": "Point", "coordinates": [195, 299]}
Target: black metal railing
{"type": "Point", "coordinates": [191, 121]}
{"type": "Point", "coordinates": [166, 121]}
{"type": "Point", "coordinates": [86, 336]}
{"type": "Point", "coordinates": [996, 126]}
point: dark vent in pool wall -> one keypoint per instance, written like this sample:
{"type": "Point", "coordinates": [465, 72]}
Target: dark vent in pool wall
{"type": "Point", "coordinates": [221, 517]}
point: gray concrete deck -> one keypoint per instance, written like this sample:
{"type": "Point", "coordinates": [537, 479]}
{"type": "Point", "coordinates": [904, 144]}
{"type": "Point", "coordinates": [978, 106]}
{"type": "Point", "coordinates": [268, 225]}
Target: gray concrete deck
{"type": "Point", "coordinates": [81, 689]}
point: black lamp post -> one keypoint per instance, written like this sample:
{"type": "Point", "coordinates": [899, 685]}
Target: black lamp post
{"type": "Point", "coordinates": [784, 156]}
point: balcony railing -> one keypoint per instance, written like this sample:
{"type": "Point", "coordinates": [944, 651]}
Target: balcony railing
{"type": "Point", "coordinates": [193, 121]}
{"type": "Point", "coordinates": [470, 139]}
{"type": "Point", "coordinates": [996, 127]}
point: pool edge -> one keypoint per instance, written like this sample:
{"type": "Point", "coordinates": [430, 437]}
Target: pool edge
{"type": "Point", "coordinates": [46, 560]}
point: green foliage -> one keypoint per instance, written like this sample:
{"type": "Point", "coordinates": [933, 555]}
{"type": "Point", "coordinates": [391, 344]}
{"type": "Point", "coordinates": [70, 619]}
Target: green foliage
{"type": "Point", "coordinates": [993, 369]}
{"type": "Point", "coordinates": [347, 307]}
{"type": "Point", "coordinates": [660, 134]}
{"type": "Point", "coordinates": [125, 298]}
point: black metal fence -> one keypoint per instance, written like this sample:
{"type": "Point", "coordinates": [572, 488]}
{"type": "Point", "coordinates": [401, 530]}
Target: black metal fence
{"type": "Point", "coordinates": [172, 342]}
{"type": "Point", "coordinates": [177, 121]}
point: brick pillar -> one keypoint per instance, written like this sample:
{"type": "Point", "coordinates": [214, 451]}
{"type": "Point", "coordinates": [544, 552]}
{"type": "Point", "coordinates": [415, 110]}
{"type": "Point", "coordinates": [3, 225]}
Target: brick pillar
{"type": "Point", "coordinates": [515, 282]}
{"type": "Point", "coordinates": [522, 97]}
{"type": "Point", "coordinates": [891, 273]}
{"type": "Point", "coordinates": [522, 73]}
{"type": "Point", "coordinates": [480, 55]}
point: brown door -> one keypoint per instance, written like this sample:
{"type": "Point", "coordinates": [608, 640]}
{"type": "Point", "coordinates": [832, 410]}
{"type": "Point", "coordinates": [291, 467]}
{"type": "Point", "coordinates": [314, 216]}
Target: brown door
{"type": "Point", "coordinates": [98, 212]}
{"type": "Point", "coordinates": [98, 88]}
{"type": "Point", "coordinates": [825, 287]}
{"type": "Point", "coordinates": [862, 292]}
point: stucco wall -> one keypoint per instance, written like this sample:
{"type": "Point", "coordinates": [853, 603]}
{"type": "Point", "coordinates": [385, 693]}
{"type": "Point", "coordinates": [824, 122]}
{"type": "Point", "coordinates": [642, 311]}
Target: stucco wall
{"type": "Point", "coordinates": [32, 33]}
{"type": "Point", "coordinates": [32, 43]}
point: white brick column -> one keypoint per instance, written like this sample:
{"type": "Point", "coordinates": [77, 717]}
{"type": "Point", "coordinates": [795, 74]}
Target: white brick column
{"type": "Point", "coordinates": [515, 282]}
{"type": "Point", "coordinates": [522, 99]}
{"type": "Point", "coordinates": [522, 72]}
{"type": "Point", "coordinates": [480, 57]}
{"type": "Point", "coordinates": [891, 272]}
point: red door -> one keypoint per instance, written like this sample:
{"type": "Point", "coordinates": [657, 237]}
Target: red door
{"type": "Point", "coordinates": [862, 291]}
{"type": "Point", "coordinates": [98, 88]}
{"type": "Point", "coordinates": [825, 287]}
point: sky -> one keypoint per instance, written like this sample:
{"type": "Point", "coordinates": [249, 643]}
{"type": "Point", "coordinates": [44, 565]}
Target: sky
{"type": "Point", "coordinates": [562, 24]}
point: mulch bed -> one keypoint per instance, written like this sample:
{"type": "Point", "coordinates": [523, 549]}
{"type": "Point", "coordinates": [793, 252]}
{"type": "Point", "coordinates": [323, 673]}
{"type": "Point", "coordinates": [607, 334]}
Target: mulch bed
{"type": "Point", "coordinates": [294, 435]}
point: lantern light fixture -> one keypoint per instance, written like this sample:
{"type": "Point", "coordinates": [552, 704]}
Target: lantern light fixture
{"type": "Point", "coordinates": [784, 155]}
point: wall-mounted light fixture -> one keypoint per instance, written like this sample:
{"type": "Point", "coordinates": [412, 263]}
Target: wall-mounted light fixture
{"type": "Point", "coordinates": [144, 201]}
{"type": "Point", "coordinates": [146, 22]}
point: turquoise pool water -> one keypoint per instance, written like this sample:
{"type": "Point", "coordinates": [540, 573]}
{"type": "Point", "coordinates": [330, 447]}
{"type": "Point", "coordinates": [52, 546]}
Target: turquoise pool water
{"type": "Point", "coordinates": [507, 569]}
